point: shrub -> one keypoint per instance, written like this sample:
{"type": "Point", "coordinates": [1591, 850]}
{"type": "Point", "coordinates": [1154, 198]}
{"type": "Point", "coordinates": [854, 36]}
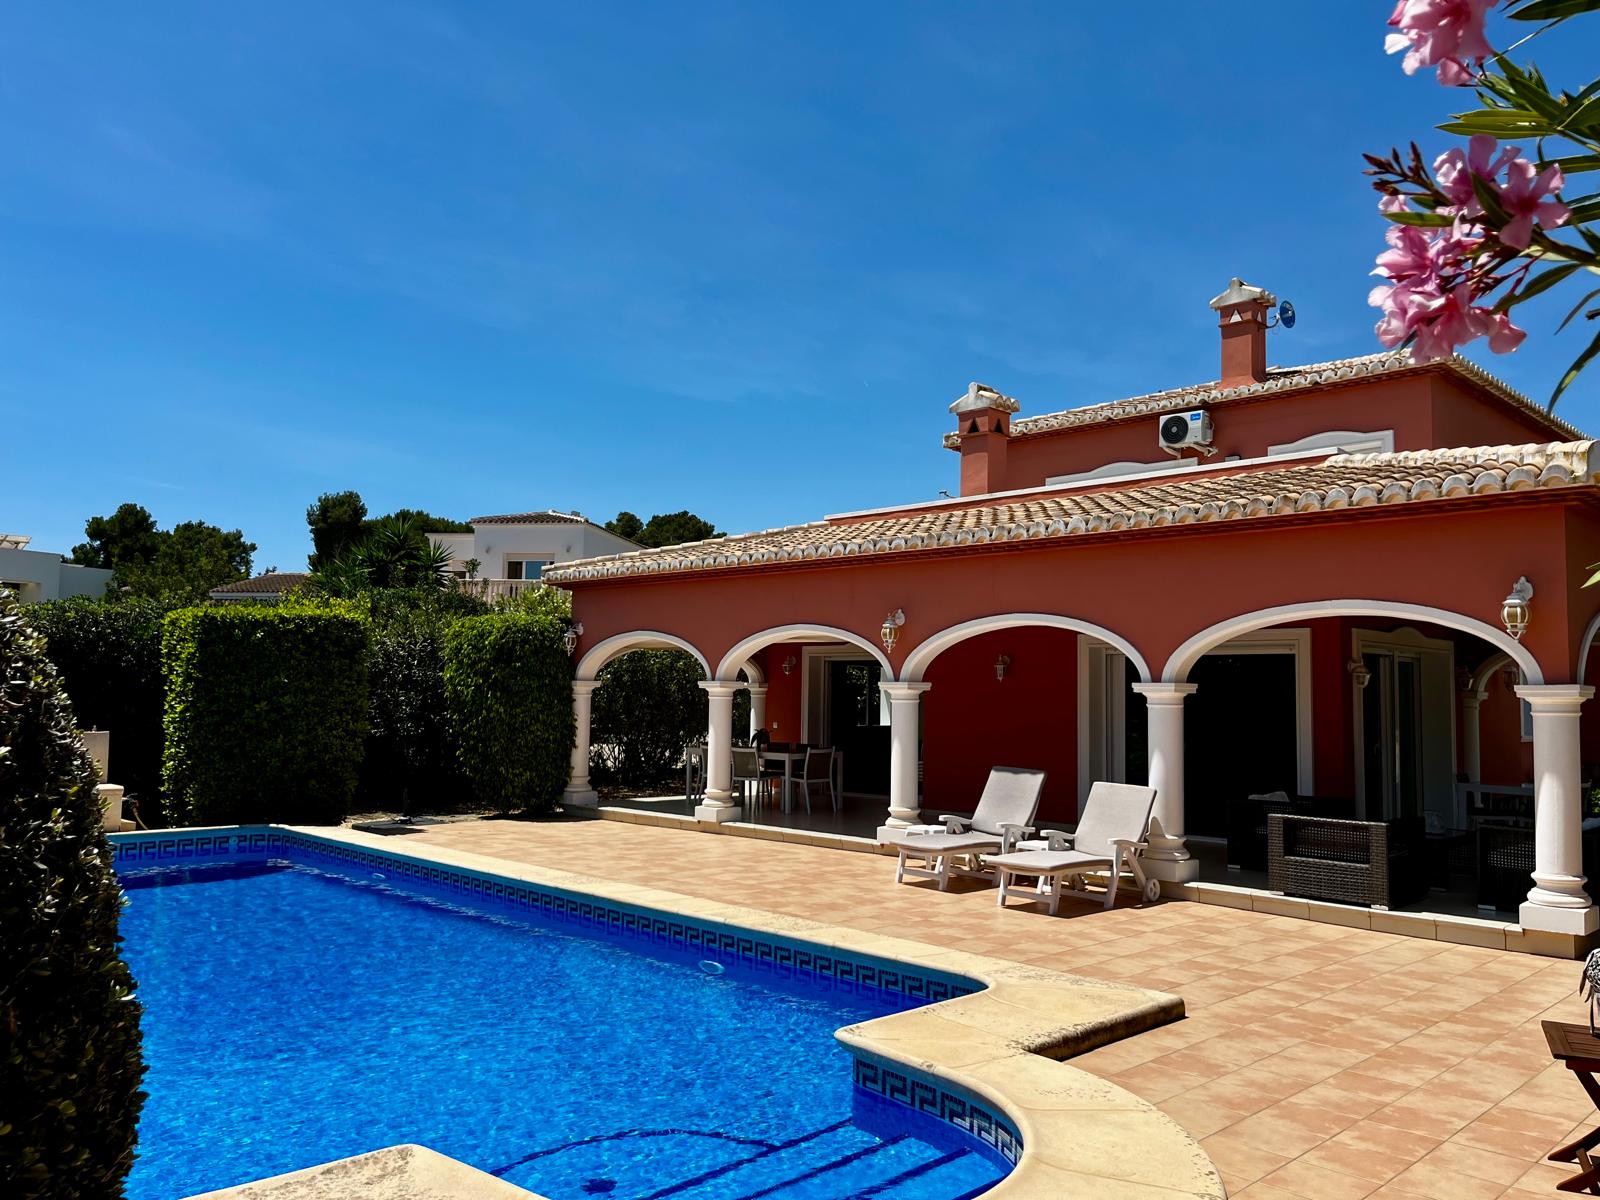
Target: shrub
{"type": "Point", "coordinates": [266, 711]}
{"type": "Point", "coordinates": [411, 756]}
{"type": "Point", "coordinates": [508, 682]}
{"type": "Point", "coordinates": [649, 705]}
{"type": "Point", "coordinates": [71, 1063]}
{"type": "Point", "coordinates": [108, 654]}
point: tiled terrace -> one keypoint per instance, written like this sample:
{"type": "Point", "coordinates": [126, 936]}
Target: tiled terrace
{"type": "Point", "coordinates": [1317, 1061]}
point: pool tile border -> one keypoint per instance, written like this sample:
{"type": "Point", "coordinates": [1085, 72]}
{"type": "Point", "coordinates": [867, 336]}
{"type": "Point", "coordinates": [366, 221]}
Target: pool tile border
{"type": "Point", "coordinates": [971, 1055]}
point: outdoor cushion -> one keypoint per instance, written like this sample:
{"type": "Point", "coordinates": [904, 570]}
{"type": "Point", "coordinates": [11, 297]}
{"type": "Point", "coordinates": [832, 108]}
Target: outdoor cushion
{"type": "Point", "coordinates": [944, 843]}
{"type": "Point", "coordinates": [1045, 862]}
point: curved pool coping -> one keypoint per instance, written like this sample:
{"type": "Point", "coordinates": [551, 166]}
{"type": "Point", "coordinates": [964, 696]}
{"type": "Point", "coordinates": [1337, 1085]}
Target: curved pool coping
{"type": "Point", "coordinates": [991, 1052]}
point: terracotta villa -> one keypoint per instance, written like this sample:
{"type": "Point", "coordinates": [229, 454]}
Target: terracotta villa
{"type": "Point", "coordinates": [1351, 590]}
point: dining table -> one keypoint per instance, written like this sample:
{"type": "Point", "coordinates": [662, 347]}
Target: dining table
{"type": "Point", "coordinates": [792, 759]}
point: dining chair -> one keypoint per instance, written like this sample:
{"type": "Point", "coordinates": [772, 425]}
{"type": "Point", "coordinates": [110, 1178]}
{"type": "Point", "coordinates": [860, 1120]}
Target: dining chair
{"type": "Point", "coordinates": [817, 771]}
{"type": "Point", "coordinates": [747, 776]}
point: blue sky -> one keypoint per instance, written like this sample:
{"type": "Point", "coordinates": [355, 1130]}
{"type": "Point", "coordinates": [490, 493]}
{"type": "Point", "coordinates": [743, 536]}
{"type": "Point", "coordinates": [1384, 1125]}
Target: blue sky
{"type": "Point", "coordinates": [480, 257]}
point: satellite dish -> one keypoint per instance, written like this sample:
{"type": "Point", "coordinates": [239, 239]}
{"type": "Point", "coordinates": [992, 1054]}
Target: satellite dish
{"type": "Point", "coordinates": [1286, 315]}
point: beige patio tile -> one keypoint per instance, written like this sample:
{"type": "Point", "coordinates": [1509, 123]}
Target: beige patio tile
{"type": "Point", "coordinates": [1317, 1061]}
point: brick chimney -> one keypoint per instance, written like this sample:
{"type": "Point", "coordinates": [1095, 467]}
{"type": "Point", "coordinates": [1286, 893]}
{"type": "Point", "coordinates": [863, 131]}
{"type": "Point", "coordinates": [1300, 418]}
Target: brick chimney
{"type": "Point", "coordinates": [1242, 316]}
{"type": "Point", "coordinates": [983, 427]}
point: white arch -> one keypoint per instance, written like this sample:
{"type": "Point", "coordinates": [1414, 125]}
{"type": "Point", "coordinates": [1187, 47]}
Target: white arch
{"type": "Point", "coordinates": [1585, 646]}
{"type": "Point", "coordinates": [1186, 655]}
{"type": "Point", "coordinates": [1481, 677]}
{"type": "Point", "coordinates": [641, 639]}
{"type": "Point", "coordinates": [752, 673]}
{"type": "Point", "coordinates": [736, 658]}
{"type": "Point", "coordinates": [921, 658]}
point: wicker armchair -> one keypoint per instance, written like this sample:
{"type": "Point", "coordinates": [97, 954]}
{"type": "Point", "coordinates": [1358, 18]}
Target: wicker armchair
{"type": "Point", "coordinates": [1377, 863]}
{"type": "Point", "coordinates": [1505, 865]}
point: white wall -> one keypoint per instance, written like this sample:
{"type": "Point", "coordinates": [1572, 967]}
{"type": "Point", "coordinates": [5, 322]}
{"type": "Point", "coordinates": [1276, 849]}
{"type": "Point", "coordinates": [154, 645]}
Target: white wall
{"type": "Point", "coordinates": [492, 545]}
{"type": "Point", "coordinates": [39, 575]}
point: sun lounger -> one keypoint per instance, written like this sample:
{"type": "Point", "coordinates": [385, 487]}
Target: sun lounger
{"type": "Point", "coordinates": [1004, 815]}
{"type": "Point", "coordinates": [1109, 842]}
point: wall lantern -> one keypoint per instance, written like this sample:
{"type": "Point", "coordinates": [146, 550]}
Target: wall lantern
{"type": "Point", "coordinates": [569, 639]}
{"type": "Point", "coordinates": [1359, 673]}
{"type": "Point", "coordinates": [889, 633]}
{"type": "Point", "coordinates": [1000, 665]}
{"type": "Point", "coordinates": [788, 665]}
{"type": "Point", "coordinates": [1514, 609]}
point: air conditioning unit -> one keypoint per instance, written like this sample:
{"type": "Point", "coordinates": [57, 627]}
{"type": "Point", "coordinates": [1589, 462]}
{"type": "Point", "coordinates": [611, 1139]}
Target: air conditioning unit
{"type": "Point", "coordinates": [1186, 430]}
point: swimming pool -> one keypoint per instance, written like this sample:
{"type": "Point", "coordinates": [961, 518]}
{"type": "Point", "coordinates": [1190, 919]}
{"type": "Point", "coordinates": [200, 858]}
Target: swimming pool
{"type": "Point", "coordinates": [305, 1003]}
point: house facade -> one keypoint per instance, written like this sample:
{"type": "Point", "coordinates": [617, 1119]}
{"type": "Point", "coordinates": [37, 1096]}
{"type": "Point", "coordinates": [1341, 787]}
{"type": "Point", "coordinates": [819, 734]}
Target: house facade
{"type": "Point", "coordinates": [1356, 583]}
{"type": "Point", "coordinates": [513, 550]}
{"type": "Point", "coordinates": [35, 575]}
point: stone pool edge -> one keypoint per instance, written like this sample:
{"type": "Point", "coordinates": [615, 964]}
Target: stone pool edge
{"type": "Point", "coordinates": [994, 1046]}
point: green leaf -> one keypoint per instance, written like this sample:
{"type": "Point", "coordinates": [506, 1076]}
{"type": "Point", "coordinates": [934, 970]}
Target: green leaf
{"type": "Point", "coordinates": [1578, 364]}
{"type": "Point", "coordinates": [1576, 308]}
{"type": "Point", "coordinates": [1426, 219]}
{"type": "Point", "coordinates": [1573, 164]}
{"type": "Point", "coordinates": [1553, 10]}
{"type": "Point", "coordinates": [1536, 284]}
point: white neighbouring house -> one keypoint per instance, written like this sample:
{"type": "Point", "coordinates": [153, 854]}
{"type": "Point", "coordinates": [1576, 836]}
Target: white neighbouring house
{"type": "Point", "coordinates": [513, 549]}
{"type": "Point", "coordinates": [36, 575]}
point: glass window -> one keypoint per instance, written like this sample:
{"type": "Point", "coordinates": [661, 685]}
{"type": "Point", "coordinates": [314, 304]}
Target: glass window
{"type": "Point", "coordinates": [526, 568]}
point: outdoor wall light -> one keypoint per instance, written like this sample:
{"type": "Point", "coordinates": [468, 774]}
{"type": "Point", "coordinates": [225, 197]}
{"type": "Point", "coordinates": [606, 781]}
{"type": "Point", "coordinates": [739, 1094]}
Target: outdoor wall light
{"type": "Point", "coordinates": [1514, 609]}
{"type": "Point", "coordinates": [788, 665]}
{"type": "Point", "coordinates": [890, 631]}
{"type": "Point", "coordinates": [1000, 665]}
{"type": "Point", "coordinates": [569, 639]}
{"type": "Point", "coordinates": [1359, 673]}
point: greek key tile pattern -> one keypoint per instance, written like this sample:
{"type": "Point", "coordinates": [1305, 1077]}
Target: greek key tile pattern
{"type": "Point", "coordinates": [134, 851]}
{"type": "Point", "coordinates": [961, 1111]}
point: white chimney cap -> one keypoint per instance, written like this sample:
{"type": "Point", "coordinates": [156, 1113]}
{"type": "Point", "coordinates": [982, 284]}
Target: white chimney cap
{"type": "Point", "coordinates": [980, 396]}
{"type": "Point", "coordinates": [1240, 292]}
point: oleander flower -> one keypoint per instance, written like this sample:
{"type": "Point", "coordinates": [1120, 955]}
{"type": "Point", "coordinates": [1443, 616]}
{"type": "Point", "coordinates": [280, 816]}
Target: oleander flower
{"type": "Point", "coordinates": [1392, 203]}
{"type": "Point", "coordinates": [1447, 34]}
{"type": "Point", "coordinates": [1528, 195]}
{"type": "Point", "coordinates": [1455, 169]}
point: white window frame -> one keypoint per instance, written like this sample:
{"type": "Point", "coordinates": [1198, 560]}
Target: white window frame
{"type": "Point", "coordinates": [1113, 470]}
{"type": "Point", "coordinates": [525, 559]}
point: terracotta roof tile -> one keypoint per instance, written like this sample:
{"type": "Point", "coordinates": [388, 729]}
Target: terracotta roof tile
{"type": "Point", "coordinates": [548, 517]}
{"type": "Point", "coordinates": [1280, 379]}
{"type": "Point", "coordinates": [262, 585]}
{"type": "Point", "coordinates": [1341, 481]}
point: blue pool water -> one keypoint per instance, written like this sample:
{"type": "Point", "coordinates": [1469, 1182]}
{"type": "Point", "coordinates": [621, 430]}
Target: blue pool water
{"type": "Point", "coordinates": [297, 1012]}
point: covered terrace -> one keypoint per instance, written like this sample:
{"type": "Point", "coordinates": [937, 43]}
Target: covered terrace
{"type": "Point", "coordinates": [1333, 629]}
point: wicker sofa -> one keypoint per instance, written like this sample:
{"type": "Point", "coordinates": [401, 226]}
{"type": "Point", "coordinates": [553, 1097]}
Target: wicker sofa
{"type": "Point", "coordinates": [1377, 863]}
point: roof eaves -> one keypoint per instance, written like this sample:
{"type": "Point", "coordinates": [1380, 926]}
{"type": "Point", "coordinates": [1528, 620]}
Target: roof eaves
{"type": "Point", "coordinates": [1337, 483]}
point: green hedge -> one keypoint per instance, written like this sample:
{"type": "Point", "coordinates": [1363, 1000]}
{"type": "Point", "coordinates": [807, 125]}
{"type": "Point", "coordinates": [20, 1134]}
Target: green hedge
{"type": "Point", "coordinates": [108, 653]}
{"type": "Point", "coordinates": [70, 1061]}
{"type": "Point", "coordinates": [266, 711]}
{"type": "Point", "coordinates": [508, 682]}
{"type": "Point", "coordinates": [648, 707]}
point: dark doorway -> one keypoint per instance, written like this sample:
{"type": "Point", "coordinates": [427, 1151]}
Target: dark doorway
{"type": "Point", "coordinates": [1239, 735]}
{"type": "Point", "coordinates": [856, 728]}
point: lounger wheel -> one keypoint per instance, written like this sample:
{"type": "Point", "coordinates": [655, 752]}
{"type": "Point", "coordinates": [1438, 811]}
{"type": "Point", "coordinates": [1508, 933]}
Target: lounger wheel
{"type": "Point", "coordinates": [1152, 890]}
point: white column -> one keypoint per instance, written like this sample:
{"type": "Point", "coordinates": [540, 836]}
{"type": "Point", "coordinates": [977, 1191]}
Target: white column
{"type": "Point", "coordinates": [905, 706]}
{"type": "Point", "coordinates": [1471, 729]}
{"type": "Point", "coordinates": [719, 805]}
{"type": "Point", "coordinates": [758, 709]}
{"type": "Point", "coordinates": [578, 793]}
{"type": "Point", "coordinates": [1168, 858]}
{"type": "Point", "coordinates": [1557, 902]}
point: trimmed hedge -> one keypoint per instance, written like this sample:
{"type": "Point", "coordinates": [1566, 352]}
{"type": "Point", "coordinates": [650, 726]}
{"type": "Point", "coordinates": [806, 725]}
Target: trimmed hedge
{"type": "Point", "coordinates": [70, 1061]}
{"type": "Point", "coordinates": [266, 711]}
{"type": "Point", "coordinates": [108, 653]}
{"type": "Point", "coordinates": [508, 682]}
{"type": "Point", "coordinates": [648, 707]}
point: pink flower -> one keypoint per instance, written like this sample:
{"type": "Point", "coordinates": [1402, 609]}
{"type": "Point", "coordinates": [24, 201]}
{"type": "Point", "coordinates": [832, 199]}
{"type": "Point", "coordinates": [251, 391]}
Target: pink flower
{"type": "Point", "coordinates": [1443, 33]}
{"type": "Point", "coordinates": [1440, 319]}
{"type": "Point", "coordinates": [1393, 204]}
{"type": "Point", "coordinates": [1528, 198]}
{"type": "Point", "coordinates": [1454, 171]}
{"type": "Point", "coordinates": [1527, 195]}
